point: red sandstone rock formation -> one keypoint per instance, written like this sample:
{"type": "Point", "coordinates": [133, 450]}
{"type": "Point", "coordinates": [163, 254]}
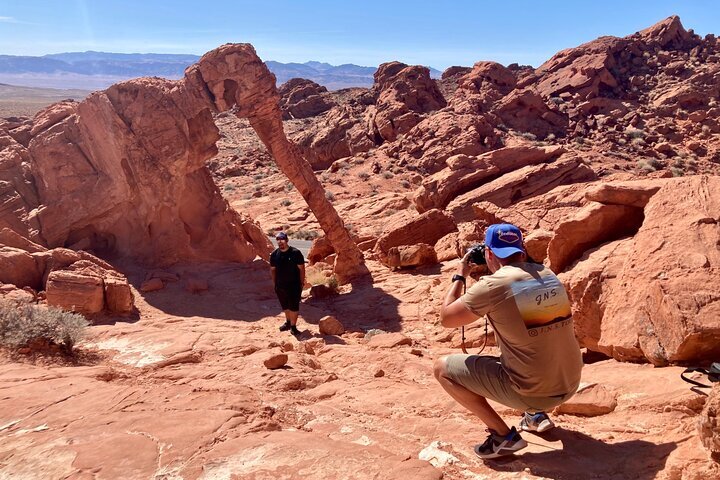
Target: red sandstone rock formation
{"type": "Point", "coordinates": [427, 228]}
{"type": "Point", "coordinates": [300, 98]}
{"type": "Point", "coordinates": [465, 173]}
{"type": "Point", "coordinates": [254, 96]}
{"type": "Point", "coordinates": [73, 281]}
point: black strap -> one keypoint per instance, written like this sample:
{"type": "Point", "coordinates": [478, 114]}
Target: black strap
{"type": "Point", "coordinates": [695, 382]}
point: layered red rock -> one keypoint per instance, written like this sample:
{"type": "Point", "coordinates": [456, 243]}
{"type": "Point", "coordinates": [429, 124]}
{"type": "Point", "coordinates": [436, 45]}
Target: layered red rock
{"type": "Point", "coordinates": [466, 172]}
{"type": "Point", "coordinates": [427, 228]}
{"type": "Point", "coordinates": [666, 309]}
{"type": "Point", "coordinates": [301, 98]}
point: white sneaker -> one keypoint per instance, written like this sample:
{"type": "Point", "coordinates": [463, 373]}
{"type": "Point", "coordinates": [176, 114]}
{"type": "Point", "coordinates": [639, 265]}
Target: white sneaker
{"type": "Point", "coordinates": [538, 422]}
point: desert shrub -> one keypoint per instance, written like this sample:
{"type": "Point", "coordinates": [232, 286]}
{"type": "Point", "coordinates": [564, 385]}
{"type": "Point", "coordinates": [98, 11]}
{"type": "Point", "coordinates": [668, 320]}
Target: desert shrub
{"type": "Point", "coordinates": [259, 176]}
{"type": "Point", "coordinates": [634, 133]}
{"type": "Point", "coordinates": [363, 175]}
{"type": "Point", "coordinates": [387, 175]}
{"type": "Point", "coordinates": [330, 196]}
{"type": "Point", "coordinates": [557, 100]}
{"type": "Point", "coordinates": [405, 184]}
{"type": "Point", "coordinates": [21, 325]}
{"type": "Point", "coordinates": [550, 138]}
{"type": "Point", "coordinates": [289, 186]}
{"type": "Point", "coordinates": [285, 202]}
{"type": "Point", "coordinates": [677, 172]}
{"type": "Point", "coordinates": [528, 136]}
{"type": "Point", "coordinates": [333, 283]}
{"type": "Point", "coordinates": [645, 166]}
{"type": "Point", "coordinates": [306, 234]}
{"type": "Point", "coordinates": [229, 188]}
{"type": "Point", "coordinates": [502, 127]}
{"type": "Point", "coordinates": [315, 277]}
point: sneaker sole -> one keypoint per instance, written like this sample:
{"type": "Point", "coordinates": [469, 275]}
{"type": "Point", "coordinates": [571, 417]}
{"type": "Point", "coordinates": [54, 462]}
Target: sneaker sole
{"type": "Point", "coordinates": [503, 452]}
{"type": "Point", "coordinates": [544, 426]}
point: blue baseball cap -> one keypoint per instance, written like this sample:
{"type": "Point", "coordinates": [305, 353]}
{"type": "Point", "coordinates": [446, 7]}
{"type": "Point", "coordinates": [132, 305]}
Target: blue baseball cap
{"type": "Point", "coordinates": [281, 236]}
{"type": "Point", "coordinates": [504, 240]}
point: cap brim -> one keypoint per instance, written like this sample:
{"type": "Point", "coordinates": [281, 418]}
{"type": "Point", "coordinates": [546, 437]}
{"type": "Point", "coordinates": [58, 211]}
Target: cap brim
{"type": "Point", "coordinates": [505, 252]}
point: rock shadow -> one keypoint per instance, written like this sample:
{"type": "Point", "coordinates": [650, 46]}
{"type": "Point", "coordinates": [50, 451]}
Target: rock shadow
{"type": "Point", "coordinates": [364, 308]}
{"type": "Point", "coordinates": [236, 291]}
{"type": "Point", "coordinates": [582, 456]}
{"type": "Point", "coordinates": [244, 292]}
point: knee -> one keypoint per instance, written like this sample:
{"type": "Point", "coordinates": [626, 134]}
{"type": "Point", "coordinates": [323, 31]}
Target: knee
{"type": "Point", "coordinates": [440, 367]}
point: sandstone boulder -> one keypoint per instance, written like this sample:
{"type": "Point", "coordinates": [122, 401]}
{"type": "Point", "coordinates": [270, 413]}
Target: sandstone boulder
{"type": "Point", "coordinates": [590, 401]}
{"type": "Point", "coordinates": [301, 98]}
{"type": "Point", "coordinates": [76, 292]}
{"type": "Point", "coordinates": [19, 268]}
{"type": "Point", "coordinates": [330, 325]}
{"type": "Point", "coordinates": [665, 309]}
{"type": "Point", "coordinates": [275, 360]}
{"type": "Point", "coordinates": [591, 226]}
{"type": "Point", "coordinates": [416, 255]}
{"type": "Point", "coordinates": [427, 228]}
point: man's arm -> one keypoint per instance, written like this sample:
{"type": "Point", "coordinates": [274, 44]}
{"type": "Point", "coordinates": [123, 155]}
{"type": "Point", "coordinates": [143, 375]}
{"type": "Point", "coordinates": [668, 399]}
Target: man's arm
{"type": "Point", "coordinates": [454, 312]}
{"type": "Point", "coordinates": [302, 275]}
{"type": "Point", "coordinates": [272, 272]}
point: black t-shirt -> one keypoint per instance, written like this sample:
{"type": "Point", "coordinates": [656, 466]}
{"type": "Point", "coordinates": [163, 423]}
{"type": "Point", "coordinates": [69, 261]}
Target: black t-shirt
{"type": "Point", "coordinates": [286, 264]}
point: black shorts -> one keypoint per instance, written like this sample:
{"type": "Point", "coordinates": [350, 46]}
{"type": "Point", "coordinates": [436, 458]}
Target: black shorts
{"type": "Point", "coordinates": [289, 296]}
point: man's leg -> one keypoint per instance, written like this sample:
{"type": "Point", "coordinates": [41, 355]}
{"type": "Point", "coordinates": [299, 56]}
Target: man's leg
{"type": "Point", "coordinates": [292, 316]}
{"type": "Point", "coordinates": [477, 404]}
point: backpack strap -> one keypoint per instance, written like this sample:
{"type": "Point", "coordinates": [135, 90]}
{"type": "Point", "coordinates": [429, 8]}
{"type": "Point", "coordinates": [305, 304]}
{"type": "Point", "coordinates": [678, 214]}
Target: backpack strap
{"type": "Point", "coordinates": [695, 382]}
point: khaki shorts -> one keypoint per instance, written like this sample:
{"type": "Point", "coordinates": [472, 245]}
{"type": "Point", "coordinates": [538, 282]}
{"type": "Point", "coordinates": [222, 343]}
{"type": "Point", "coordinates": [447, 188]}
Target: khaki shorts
{"type": "Point", "coordinates": [485, 376]}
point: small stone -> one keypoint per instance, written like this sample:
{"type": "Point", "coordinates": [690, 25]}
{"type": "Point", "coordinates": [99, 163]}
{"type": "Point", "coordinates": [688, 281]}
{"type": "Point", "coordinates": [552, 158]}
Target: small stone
{"type": "Point", "coordinates": [152, 285]}
{"type": "Point", "coordinates": [330, 325]}
{"type": "Point", "coordinates": [379, 373]}
{"type": "Point", "coordinates": [275, 360]}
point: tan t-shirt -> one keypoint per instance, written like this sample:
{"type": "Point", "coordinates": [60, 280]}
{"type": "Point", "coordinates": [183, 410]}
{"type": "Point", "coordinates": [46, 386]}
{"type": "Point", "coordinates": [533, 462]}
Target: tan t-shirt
{"type": "Point", "coordinates": [541, 361]}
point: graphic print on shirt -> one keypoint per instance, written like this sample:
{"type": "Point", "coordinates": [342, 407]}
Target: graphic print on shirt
{"type": "Point", "coordinates": [541, 302]}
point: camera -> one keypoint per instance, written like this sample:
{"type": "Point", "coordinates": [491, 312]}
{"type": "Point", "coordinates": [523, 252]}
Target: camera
{"type": "Point", "coordinates": [477, 254]}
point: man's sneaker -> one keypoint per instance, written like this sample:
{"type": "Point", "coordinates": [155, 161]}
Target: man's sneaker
{"type": "Point", "coordinates": [538, 422]}
{"type": "Point", "coordinates": [294, 330]}
{"type": "Point", "coordinates": [498, 446]}
{"type": "Point", "coordinates": [285, 326]}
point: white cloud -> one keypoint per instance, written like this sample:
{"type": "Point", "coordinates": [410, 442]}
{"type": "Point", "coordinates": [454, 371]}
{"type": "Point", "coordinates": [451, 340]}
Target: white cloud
{"type": "Point", "coordinates": [8, 20]}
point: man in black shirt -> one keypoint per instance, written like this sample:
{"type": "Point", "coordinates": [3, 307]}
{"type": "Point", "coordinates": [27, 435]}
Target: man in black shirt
{"type": "Point", "coordinates": [287, 266]}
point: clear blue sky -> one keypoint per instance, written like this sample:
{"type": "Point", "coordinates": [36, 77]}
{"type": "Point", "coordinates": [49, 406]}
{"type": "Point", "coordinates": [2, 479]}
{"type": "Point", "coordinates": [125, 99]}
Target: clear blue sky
{"type": "Point", "coordinates": [368, 32]}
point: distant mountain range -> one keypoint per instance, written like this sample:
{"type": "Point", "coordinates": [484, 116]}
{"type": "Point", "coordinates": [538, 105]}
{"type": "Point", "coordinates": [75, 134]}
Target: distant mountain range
{"type": "Point", "coordinates": [97, 70]}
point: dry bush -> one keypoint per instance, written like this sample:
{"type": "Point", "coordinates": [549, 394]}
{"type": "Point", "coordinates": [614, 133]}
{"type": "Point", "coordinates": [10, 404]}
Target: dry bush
{"type": "Point", "coordinates": [21, 325]}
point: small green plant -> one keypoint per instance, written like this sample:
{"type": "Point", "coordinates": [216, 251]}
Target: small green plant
{"type": "Point", "coordinates": [289, 187]}
{"type": "Point", "coordinates": [677, 172]}
{"type": "Point", "coordinates": [387, 175]}
{"type": "Point", "coordinates": [333, 283]}
{"type": "Point", "coordinates": [285, 202]}
{"type": "Point", "coordinates": [229, 188]}
{"type": "Point", "coordinates": [19, 326]}
{"type": "Point", "coordinates": [557, 100]}
{"type": "Point", "coordinates": [363, 175]}
{"type": "Point", "coordinates": [405, 184]}
{"type": "Point", "coordinates": [330, 196]}
{"type": "Point", "coordinates": [528, 136]}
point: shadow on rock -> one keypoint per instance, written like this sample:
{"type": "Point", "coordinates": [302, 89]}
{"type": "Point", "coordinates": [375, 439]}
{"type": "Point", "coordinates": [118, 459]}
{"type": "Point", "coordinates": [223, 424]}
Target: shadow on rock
{"type": "Point", "coordinates": [581, 456]}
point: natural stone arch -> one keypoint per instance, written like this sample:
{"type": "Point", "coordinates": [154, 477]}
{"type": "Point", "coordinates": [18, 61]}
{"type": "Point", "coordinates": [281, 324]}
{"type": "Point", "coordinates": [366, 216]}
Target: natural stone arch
{"type": "Point", "coordinates": [234, 77]}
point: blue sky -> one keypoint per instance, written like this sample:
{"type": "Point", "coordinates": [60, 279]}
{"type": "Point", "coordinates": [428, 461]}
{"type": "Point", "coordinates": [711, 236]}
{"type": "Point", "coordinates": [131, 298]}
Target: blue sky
{"type": "Point", "coordinates": [368, 32]}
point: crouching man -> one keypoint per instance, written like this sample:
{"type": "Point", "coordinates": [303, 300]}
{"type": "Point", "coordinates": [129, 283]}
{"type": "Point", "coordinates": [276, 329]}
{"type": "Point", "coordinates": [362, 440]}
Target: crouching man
{"type": "Point", "coordinates": [540, 361]}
